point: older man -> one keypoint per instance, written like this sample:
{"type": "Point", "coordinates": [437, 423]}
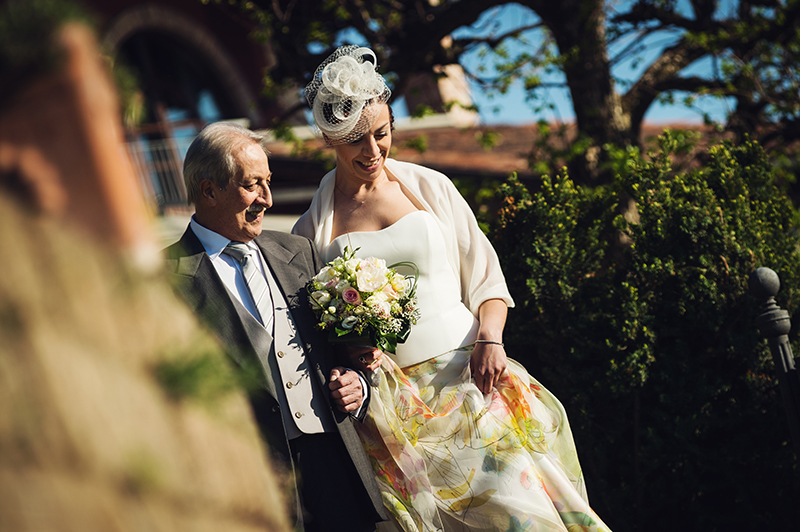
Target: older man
{"type": "Point", "coordinates": [248, 287]}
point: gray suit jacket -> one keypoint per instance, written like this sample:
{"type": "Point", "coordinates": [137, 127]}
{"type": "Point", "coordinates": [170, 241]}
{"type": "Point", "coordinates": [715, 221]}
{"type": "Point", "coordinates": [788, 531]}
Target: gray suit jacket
{"type": "Point", "coordinates": [293, 260]}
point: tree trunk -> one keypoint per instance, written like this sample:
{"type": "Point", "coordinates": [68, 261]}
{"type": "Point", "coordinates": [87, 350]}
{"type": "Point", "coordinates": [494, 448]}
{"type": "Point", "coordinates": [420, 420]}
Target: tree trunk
{"type": "Point", "coordinates": [578, 27]}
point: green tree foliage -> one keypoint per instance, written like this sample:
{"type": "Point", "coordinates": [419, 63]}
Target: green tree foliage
{"type": "Point", "coordinates": [26, 40]}
{"type": "Point", "coordinates": [643, 326]}
{"type": "Point", "coordinates": [751, 53]}
{"type": "Point", "coordinates": [28, 50]}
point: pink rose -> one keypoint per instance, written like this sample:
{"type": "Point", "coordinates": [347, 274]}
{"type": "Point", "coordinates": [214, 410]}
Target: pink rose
{"type": "Point", "coordinates": [351, 296]}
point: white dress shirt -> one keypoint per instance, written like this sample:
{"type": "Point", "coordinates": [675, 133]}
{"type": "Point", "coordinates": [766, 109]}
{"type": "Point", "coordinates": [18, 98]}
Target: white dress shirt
{"type": "Point", "coordinates": [228, 268]}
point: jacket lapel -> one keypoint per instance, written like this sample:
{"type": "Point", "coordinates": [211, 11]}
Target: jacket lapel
{"type": "Point", "coordinates": [291, 273]}
{"type": "Point", "coordinates": [280, 260]}
{"type": "Point", "coordinates": [242, 336]}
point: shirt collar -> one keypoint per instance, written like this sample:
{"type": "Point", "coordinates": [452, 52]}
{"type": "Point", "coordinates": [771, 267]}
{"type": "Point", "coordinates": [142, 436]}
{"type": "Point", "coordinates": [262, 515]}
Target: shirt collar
{"type": "Point", "coordinates": [213, 242]}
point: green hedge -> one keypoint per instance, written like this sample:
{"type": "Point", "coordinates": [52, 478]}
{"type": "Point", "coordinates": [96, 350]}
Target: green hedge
{"type": "Point", "coordinates": [632, 307]}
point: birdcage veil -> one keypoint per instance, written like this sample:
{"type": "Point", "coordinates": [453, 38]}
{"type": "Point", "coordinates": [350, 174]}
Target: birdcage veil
{"type": "Point", "coordinates": [345, 94]}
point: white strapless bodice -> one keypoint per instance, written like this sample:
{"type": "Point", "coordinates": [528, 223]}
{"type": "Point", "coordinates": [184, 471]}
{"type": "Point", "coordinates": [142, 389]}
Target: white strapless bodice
{"type": "Point", "coordinates": [445, 323]}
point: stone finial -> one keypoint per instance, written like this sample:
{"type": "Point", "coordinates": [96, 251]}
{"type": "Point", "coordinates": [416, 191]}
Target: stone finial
{"type": "Point", "coordinates": [764, 283]}
{"type": "Point", "coordinates": [772, 321]}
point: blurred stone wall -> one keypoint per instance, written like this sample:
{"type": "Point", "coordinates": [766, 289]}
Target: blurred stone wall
{"type": "Point", "coordinates": [89, 439]}
{"type": "Point", "coordinates": [92, 436]}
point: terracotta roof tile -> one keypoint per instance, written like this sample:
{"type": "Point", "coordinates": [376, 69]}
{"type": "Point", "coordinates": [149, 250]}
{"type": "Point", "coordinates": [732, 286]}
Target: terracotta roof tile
{"type": "Point", "coordinates": [458, 149]}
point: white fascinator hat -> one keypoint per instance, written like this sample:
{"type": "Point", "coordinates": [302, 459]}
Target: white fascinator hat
{"type": "Point", "coordinates": [344, 93]}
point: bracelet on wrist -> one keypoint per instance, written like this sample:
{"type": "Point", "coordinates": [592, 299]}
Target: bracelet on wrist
{"type": "Point", "coordinates": [489, 342]}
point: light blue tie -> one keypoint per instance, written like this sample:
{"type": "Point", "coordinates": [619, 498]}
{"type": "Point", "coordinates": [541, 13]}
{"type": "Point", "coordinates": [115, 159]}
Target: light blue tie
{"type": "Point", "coordinates": [255, 280]}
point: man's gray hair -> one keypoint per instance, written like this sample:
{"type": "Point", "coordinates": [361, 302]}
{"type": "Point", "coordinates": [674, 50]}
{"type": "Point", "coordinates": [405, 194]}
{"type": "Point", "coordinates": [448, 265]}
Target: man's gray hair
{"type": "Point", "coordinates": [210, 156]}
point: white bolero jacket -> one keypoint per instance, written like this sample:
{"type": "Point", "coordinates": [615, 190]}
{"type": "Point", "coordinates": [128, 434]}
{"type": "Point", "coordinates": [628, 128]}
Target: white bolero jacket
{"type": "Point", "coordinates": [471, 256]}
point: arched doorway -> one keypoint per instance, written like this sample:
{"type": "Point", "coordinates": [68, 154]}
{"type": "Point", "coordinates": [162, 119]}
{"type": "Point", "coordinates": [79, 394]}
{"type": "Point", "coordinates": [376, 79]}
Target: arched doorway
{"type": "Point", "coordinates": [186, 79]}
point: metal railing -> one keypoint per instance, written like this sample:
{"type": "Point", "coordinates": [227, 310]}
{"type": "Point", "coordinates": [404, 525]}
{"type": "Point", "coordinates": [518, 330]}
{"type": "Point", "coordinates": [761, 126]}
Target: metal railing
{"type": "Point", "coordinates": [158, 164]}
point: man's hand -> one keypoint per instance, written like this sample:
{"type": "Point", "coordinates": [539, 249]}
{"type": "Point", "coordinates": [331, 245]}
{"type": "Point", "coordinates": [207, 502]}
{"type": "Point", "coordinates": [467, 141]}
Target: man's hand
{"type": "Point", "coordinates": [364, 358]}
{"type": "Point", "coordinates": [346, 390]}
{"type": "Point", "coordinates": [488, 362]}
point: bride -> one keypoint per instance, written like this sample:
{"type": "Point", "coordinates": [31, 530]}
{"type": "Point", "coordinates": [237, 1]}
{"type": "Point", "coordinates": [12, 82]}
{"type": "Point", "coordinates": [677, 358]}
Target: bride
{"type": "Point", "coordinates": [459, 436]}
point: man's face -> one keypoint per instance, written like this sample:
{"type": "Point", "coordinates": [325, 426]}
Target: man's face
{"type": "Point", "coordinates": [238, 211]}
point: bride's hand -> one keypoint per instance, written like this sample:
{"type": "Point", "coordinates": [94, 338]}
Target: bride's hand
{"type": "Point", "coordinates": [364, 358]}
{"type": "Point", "coordinates": [488, 362]}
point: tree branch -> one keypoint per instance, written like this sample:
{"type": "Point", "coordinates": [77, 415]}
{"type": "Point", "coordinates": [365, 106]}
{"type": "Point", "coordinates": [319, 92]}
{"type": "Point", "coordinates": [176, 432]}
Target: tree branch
{"type": "Point", "coordinates": [495, 41]}
{"type": "Point", "coordinates": [643, 11]}
{"type": "Point", "coordinates": [665, 69]}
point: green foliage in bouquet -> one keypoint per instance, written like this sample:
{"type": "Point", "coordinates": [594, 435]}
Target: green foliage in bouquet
{"type": "Point", "coordinates": [632, 307]}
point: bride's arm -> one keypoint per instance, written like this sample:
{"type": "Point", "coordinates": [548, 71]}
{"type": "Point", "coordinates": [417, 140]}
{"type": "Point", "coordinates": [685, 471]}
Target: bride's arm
{"type": "Point", "coordinates": [488, 361]}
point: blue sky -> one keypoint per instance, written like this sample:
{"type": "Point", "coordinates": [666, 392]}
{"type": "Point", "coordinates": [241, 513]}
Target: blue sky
{"type": "Point", "coordinates": [512, 107]}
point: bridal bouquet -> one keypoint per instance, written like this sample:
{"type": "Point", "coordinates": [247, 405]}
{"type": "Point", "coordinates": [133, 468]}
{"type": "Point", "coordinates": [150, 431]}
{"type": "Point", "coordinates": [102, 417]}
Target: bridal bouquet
{"type": "Point", "coordinates": [364, 302]}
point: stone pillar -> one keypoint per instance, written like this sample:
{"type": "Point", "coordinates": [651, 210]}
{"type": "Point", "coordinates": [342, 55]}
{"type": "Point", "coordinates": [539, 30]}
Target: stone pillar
{"type": "Point", "coordinates": [773, 322]}
{"type": "Point", "coordinates": [62, 138]}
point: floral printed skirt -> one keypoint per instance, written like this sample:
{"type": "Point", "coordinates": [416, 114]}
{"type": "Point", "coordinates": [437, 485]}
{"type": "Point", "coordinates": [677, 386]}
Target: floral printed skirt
{"type": "Point", "coordinates": [449, 458]}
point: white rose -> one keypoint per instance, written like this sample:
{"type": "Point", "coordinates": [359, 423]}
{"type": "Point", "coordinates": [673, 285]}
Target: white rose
{"type": "Point", "coordinates": [321, 297]}
{"type": "Point", "coordinates": [325, 274]}
{"type": "Point", "coordinates": [379, 301]}
{"type": "Point", "coordinates": [351, 266]}
{"type": "Point", "coordinates": [390, 292]}
{"type": "Point", "coordinates": [371, 275]}
{"type": "Point", "coordinates": [377, 297]}
{"type": "Point", "coordinates": [400, 283]}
